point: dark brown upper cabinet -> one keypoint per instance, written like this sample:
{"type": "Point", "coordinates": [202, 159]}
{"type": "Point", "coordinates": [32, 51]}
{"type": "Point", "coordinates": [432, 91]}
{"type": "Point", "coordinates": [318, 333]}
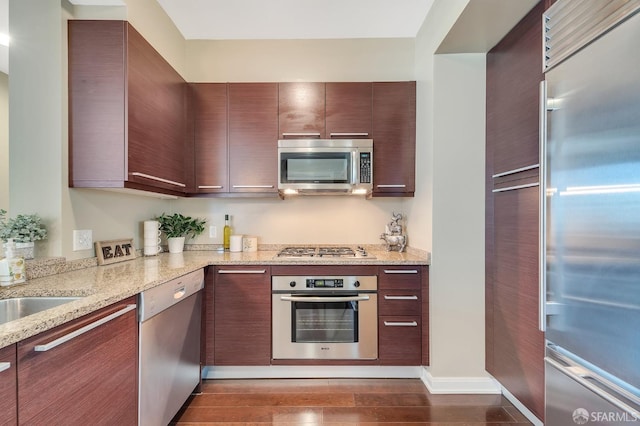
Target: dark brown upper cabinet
{"type": "Point", "coordinates": [253, 136]}
{"type": "Point", "coordinates": [348, 110]}
{"type": "Point", "coordinates": [394, 138]}
{"type": "Point", "coordinates": [301, 110]}
{"type": "Point", "coordinates": [209, 111]}
{"type": "Point", "coordinates": [127, 119]}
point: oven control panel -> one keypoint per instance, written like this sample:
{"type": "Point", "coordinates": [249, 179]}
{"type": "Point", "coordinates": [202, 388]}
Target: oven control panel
{"type": "Point", "coordinates": [325, 283]}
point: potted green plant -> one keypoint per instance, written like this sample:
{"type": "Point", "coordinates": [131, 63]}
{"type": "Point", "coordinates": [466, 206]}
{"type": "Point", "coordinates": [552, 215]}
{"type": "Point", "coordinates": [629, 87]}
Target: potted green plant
{"type": "Point", "coordinates": [177, 227]}
{"type": "Point", "coordinates": [24, 230]}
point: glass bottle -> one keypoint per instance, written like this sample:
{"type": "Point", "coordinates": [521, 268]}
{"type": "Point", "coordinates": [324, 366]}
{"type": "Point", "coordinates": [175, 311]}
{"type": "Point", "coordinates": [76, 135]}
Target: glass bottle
{"type": "Point", "coordinates": [226, 233]}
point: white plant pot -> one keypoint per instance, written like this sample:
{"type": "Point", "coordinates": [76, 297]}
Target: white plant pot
{"type": "Point", "coordinates": [25, 250]}
{"type": "Point", "coordinates": [176, 244]}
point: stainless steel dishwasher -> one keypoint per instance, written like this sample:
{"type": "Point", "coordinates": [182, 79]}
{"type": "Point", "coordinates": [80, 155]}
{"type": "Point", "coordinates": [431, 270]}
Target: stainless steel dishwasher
{"type": "Point", "coordinates": [169, 352]}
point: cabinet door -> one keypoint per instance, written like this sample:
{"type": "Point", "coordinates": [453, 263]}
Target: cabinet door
{"type": "Point", "coordinates": [253, 137]}
{"type": "Point", "coordinates": [399, 340]}
{"type": "Point", "coordinates": [242, 299]}
{"type": "Point", "coordinates": [518, 345]}
{"type": "Point", "coordinates": [88, 379]}
{"type": "Point", "coordinates": [8, 386]}
{"type": "Point", "coordinates": [394, 138]}
{"type": "Point", "coordinates": [301, 110]}
{"type": "Point", "coordinates": [348, 110]}
{"type": "Point", "coordinates": [209, 106]}
{"type": "Point", "coordinates": [156, 117]}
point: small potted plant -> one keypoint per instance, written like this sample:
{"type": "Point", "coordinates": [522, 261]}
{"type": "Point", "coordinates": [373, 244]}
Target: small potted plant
{"type": "Point", "coordinates": [24, 229]}
{"type": "Point", "coordinates": [177, 227]}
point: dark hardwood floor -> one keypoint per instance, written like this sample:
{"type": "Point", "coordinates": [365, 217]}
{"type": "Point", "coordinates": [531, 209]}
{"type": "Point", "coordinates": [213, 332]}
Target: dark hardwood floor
{"type": "Point", "coordinates": [340, 402]}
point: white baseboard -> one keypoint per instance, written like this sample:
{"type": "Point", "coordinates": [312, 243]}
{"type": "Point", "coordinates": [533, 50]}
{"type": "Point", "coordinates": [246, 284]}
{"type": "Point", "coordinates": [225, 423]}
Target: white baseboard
{"type": "Point", "coordinates": [459, 385]}
{"type": "Point", "coordinates": [524, 410]}
{"type": "Point", "coordinates": [309, 372]}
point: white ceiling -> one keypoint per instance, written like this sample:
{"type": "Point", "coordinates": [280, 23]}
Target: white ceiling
{"type": "Point", "coordinates": [4, 30]}
{"type": "Point", "coordinates": [296, 19]}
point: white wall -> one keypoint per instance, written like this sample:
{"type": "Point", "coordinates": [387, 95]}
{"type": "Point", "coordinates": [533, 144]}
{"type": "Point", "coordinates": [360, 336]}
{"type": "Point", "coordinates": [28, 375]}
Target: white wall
{"type": "Point", "coordinates": [450, 135]}
{"type": "Point", "coordinates": [4, 141]}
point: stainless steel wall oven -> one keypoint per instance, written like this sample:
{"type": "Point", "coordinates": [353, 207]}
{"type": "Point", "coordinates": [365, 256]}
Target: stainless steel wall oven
{"type": "Point", "coordinates": [324, 317]}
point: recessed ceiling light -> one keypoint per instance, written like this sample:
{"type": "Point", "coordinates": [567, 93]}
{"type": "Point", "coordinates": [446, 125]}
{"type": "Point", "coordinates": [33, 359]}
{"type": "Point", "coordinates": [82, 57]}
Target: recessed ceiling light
{"type": "Point", "coordinates": [4, 40]}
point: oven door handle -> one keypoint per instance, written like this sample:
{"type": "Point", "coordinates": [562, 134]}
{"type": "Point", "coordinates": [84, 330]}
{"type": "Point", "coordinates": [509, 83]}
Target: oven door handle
{"type": "Point", "coordinates": [319, 299]}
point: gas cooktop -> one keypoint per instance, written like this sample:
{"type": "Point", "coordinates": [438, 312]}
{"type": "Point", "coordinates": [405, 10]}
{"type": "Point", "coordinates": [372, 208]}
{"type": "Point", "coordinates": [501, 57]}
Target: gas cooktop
{"type": "Point", "coordinates": [324, 253]}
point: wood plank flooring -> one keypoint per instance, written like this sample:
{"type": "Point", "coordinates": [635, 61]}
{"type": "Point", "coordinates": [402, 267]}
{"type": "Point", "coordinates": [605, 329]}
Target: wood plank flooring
{"type": "Point", "coordinates": [340, 402]}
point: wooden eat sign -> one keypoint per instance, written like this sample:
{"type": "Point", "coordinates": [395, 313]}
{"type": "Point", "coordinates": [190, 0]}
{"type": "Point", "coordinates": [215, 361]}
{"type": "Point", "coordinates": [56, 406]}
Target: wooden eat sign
{"type": "Point", "coordinates": [115, 251]}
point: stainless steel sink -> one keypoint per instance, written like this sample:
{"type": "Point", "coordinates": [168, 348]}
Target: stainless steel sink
{"type": "Point", "coordinates": [20, 307]}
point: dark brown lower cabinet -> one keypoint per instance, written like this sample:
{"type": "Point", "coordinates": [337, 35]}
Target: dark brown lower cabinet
{"type": "Point", "coordinates": [400, 340]}
{"type": "Point", "coordinates": [8, 385]}
{"type": "Point", "coordinates": [517, 343]}
{"type": "Point", "coordinates": [242, 315]}
{"type": "Point", "coordinates": [88, 378]}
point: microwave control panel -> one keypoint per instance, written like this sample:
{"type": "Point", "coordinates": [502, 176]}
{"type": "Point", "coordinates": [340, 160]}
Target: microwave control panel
{"type": "Point", "coordinates": [365, 167]}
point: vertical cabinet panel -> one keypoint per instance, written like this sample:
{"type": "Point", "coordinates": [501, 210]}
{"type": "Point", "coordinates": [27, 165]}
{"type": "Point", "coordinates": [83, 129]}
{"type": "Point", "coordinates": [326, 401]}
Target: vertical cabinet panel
{"type": "Point", "coordinates": [514, 345]}
{"type": "Point", "coordinates": [8, 386]}
{"type": "Point", "coordinates": [394, 136]}
{"type": "Point", "coordinates": [242, 315]}
{"type": "Point", "coordinates": [90, 379]}
{"type": "Point", "coordinates": [301, 110]}
{"type": "Point", "coordinates": [253, 135]}
{"type": "Point", "coordinates": [209, 106]}
{"type": "Point", "coordinates": [348, 110]}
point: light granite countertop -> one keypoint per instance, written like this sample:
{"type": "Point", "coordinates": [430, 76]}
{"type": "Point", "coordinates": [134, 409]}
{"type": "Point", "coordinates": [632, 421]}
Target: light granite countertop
{"type": "Point", "coordinates": [100, 286]}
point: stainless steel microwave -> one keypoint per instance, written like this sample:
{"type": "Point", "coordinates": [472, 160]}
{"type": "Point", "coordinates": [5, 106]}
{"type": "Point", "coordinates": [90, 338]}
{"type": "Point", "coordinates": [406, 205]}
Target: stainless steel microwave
{"type": "Point", "coordinates": [325, 166]}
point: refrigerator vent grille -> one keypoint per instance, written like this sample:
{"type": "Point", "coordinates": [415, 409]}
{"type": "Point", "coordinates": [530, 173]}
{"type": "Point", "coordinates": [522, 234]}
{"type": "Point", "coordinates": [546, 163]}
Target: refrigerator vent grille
{"type": "Point", "coordinates": [570, 25]}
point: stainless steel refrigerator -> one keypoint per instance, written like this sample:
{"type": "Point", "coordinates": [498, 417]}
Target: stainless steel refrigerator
{"type": "Point", "coordinates": [590, 212]}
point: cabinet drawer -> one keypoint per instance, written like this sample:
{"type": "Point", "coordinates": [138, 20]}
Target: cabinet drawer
{"type": "Point", "coordinates": [399, 302]}
{"type": "Point", "coordinates": [394, 277]}
{"type": "Point", "coordinates": [399, 340]}
{"type": "Point", "coordinates": [8, 385]}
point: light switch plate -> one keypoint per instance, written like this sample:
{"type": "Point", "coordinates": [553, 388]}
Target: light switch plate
{"type": "Point", "coordinates": [82, 239]}
{"type": "Point", "coordinates": [213, 231]}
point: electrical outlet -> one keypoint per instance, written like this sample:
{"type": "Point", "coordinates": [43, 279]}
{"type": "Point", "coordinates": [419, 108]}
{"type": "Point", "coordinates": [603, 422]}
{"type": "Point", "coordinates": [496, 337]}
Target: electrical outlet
{"type": "Point", "coordinates": [213, 231]}
{"type": "Point", "coordinates": [82, 240]}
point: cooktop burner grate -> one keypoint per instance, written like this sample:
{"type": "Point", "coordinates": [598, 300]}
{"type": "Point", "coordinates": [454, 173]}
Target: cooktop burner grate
{"type": "Point", "coordinates": [323, 252]}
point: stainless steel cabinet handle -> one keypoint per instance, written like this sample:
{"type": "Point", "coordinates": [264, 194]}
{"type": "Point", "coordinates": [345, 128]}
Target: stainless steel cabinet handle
{"type": "Point", "coordinates": [323, 299]}
{"type": "Point", "coordinates": [210, 186]}
{"type": "Point", "coordinates": [400, 271]}
{"type": "Point", "coordinates": [4, 366]}
{"type": "Point", "coordinates": [242, 271]}
{"type": "Point", "coordinates": [400, 324]}
{"type": "Point", "coordinates": [81, 331]}
{"type": "Point", "coordinates": [514, 171]}
{"type": "Point", "coordinates": [386, 297]}
{"type": "Point", "coordinates": [159, 179]}
{"type": "Point", "coordinates": [346, 134]}
{"type": "Point", "coordinates": [253, 186]}
{"type": "Point", "coordinates": [513, 188]}
{"type": "Point", "coordinates": [317, 134]}
{"type": "Point", "coordinates": [391, 186]}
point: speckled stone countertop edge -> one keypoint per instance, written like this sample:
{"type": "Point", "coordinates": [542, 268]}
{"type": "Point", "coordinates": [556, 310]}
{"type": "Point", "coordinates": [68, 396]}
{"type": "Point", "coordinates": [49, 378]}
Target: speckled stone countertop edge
{"type": "Point", "coordinates": [100, 286]}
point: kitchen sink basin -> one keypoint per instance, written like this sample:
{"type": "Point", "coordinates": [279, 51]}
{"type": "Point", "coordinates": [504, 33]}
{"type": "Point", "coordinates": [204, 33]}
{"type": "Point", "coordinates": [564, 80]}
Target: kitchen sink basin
{"type": "Point", "coordinates": [20, 307]}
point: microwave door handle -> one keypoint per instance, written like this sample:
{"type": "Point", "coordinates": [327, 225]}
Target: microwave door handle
{"type": "Point", "coordinates": [354, 170]}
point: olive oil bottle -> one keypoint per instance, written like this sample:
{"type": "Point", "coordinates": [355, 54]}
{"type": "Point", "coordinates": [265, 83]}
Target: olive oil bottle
{"type": "Point", "coordinates": [226, 233]}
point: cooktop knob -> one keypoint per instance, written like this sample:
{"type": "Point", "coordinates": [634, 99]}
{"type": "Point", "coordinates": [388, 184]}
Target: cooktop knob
{"type": "Point", "coordinates": [356, 284]}
{"type": "Point", "coordinates": [292, 284]}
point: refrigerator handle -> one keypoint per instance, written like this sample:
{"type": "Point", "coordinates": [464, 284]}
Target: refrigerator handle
{"type": "Point", "coordinates": [602, 387]}
{"type": "Point", "coordinates": [542, 217]}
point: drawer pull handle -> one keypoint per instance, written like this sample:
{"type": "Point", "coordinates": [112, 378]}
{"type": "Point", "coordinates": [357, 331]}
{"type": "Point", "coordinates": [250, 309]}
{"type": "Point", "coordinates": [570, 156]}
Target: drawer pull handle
{"type": "Point", "coordinates": [513, 188]}
{"type": "Point", "coordinates": [159, 179]}
{"type": "Point", "coordinates": [400, 324]}
{"type": "Point", "coordinates": [347, 134]}
{"type": "Point", "coordinates": [386, 297]}
{"type": "Point", "coordinates": [392, 186]}
{"type": "Point", "coordinates": [300, 134]}
{"type": "Point", "coordinates": [400, 271]}
{"type": "Point", "coordinates": [4, 366]}
{"type": "Point", "coordinates": [252, 186]}
{"type": "Point", "coordinates": [250, 271]}
{"type": "Point", "coordinates": [209, 186]}
{"type": "Point", "coordinates": [81, 331]}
